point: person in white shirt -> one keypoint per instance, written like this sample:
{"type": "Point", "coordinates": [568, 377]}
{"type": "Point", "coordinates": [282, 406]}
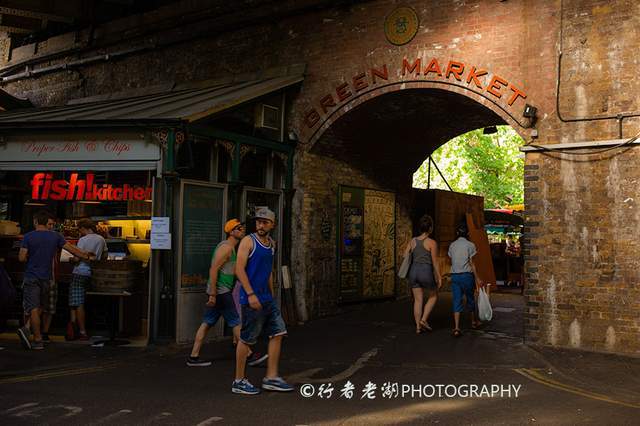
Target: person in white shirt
{"type": "Point", "coordinates": [81, 278]}
{"type": "Point", "coordinates": [464, 277]}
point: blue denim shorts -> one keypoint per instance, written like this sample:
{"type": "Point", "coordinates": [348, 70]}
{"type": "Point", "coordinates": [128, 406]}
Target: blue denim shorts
{"type": "Point", "coordinates": [225, 307]}
{"type": "Point", "coordinates": [267, 318]}
{"type": "Point", "coordinates": [463, 285]}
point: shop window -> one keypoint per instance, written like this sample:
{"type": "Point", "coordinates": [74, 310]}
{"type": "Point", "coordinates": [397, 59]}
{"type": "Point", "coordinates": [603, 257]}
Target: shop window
{"type": "Point", "coordinates": [224, 164]}
{"type": "Point", "coordinates": [253, 167]}
{"type": "Point", "coordinates": [279, 171]}
{"type": "Point", "coordinates": [193, 160]}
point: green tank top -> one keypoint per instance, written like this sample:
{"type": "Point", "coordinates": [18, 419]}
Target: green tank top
{"type": "Point", "coordinates": [226, 276]}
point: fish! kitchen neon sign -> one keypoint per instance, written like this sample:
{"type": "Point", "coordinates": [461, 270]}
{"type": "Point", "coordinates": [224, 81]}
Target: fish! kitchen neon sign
{"type": "Point", "coordinates": [44, 187]}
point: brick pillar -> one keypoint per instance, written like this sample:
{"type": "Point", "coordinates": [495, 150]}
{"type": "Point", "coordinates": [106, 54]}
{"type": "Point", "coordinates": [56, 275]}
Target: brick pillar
{"type": "Point", "coordinates": [532, 291]}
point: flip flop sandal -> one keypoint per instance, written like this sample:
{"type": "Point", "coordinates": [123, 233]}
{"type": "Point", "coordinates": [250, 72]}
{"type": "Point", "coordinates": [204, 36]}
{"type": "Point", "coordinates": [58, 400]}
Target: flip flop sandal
{"type": "Point", "coordinates": [425, 326]}
{"type": "Point", "coordinates": [457, 333]}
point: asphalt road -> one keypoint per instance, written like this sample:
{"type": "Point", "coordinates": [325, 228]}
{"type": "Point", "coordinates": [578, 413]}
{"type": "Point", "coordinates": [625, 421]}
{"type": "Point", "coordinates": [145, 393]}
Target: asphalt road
{"type": "Point", "coordinates": [412, 379]}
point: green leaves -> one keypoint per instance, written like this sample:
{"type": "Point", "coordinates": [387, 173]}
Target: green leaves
{"type": "Point", "coordinates": [487, 165]}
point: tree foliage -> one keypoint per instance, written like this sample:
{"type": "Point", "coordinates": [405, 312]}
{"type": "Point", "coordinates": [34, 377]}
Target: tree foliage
{"type": "Point", "coordinates": [487, 165]}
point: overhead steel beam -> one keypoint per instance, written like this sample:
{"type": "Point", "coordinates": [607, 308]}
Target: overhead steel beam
{"type": "Point", "coordinates": [35, 15]}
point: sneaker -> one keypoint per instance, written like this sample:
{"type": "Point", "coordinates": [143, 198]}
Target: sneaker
{"type": "Point", "coordinates": [244, 387]}
{"type": "Point", "coordinates": [276, 384]}
{"type": "Point", "coordinates": [45, 338]}
{"type": "Point", "coordinates": [197, 362]}
{"type": "Point", "coordinates": [24, 334]}
{"type": "Point", "coordinates": [256, 358]}
{"type": "Point", "coordinates": [71, 332]}
{"type": "Point", "coordinates": [37, 345]}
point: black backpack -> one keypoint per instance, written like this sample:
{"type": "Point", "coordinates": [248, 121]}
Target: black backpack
{"type": "Point", "coordinates": [7, 290]}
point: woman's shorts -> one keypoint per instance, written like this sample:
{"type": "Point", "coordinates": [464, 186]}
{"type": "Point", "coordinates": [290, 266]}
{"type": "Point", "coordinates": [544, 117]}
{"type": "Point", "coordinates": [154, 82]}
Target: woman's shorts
{"type": "Point", "coordinates": [421, 276]}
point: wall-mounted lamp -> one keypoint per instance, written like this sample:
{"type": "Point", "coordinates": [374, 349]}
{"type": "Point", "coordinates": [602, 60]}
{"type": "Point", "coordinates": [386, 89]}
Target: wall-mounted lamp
{"type": "Point", "coordinates": [529, 111]}
{"type": "Point", "coordinates": [489, 130]}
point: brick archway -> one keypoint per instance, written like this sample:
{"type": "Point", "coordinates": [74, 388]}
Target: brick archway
{"type": "Point", "coordinates": [507, 114]}
{"type": "Point", "coordinates": [376, 140]}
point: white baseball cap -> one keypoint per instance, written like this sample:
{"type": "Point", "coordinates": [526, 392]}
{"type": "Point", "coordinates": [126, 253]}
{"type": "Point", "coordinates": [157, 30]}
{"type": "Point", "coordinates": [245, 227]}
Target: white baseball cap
{"type": "Point", "coordinates": [265, 213]}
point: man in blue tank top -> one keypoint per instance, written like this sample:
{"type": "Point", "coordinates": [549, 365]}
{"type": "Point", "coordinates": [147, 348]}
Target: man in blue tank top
{"type": "Point", "coordinates": [254, 269]}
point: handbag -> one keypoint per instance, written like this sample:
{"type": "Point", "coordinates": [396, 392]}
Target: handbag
{"type": "Point", "coordinates": [485, 313]}
{"type": "Point", "coordinates": [406, 265]}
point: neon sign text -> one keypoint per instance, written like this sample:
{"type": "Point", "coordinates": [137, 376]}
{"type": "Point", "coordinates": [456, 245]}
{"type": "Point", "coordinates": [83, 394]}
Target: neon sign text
{"type": "Point", "coordinates": [44, 187]}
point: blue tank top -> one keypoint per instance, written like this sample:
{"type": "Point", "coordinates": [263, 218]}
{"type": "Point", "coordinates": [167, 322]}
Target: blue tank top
{"type": "Point", "coordinates": [259, 267]}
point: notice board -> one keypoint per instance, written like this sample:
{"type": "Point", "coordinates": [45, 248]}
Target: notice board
{"type": "Point", "coordinates": [366, 244]}
{"type": "Point", "coordinates": [202, 216]}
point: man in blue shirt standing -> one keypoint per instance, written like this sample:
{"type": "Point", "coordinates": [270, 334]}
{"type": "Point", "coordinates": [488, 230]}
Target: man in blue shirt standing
{"type": "Point", "coordinates": [38, 250]}
{"type": "Point", "coordinates": [254, 269]}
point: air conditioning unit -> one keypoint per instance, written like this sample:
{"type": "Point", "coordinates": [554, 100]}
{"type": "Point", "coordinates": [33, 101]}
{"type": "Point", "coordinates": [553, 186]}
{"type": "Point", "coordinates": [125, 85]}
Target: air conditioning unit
{"type": "Point", "coordinates": [268, 117]}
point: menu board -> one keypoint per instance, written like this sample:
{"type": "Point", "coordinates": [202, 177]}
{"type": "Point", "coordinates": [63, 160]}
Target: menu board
{"type": "Point", "coordinates": [202, 219]}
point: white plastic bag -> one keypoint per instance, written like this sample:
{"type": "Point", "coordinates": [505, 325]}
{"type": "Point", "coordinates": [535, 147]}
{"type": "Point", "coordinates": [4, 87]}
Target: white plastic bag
{"type": "Point", "coordinates": [485, 313]}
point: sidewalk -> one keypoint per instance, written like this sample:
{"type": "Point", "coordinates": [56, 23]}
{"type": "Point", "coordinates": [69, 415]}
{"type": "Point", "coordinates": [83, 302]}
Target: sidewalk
{"type": "Point", "coordinates": [370, 343]}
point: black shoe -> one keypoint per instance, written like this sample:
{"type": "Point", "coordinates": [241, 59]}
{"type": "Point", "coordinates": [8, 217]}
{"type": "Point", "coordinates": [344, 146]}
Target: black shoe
{"type": "Point", "coordinates": [23, 334]}
{"type": "Point", "coordinates": [256, 359]}
{"type": "Point", "coordinates": [45, 338]}
{"type": "Point", "coordinates": [197, 362]}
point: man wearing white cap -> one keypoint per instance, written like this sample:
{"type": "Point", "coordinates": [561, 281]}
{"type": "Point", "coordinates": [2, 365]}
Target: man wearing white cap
{"type": "Point", "coordinates": [254, 269]}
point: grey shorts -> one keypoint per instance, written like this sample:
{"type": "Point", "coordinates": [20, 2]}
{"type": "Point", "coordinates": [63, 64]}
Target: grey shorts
{"type": "Point", "coordinates": [35, 293]}
{"type": "Point", "coordinates": [421, 276]}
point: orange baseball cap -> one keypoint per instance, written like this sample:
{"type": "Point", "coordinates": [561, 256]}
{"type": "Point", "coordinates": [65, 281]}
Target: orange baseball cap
{"type": "Point", "coordinates": [228, 227]}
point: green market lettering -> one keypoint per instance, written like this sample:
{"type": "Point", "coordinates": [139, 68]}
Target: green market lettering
{"type": "Point", "coordinates": [455, 72]}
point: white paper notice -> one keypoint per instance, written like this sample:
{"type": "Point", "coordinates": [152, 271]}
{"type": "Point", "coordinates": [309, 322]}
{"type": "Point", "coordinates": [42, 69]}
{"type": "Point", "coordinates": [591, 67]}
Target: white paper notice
{"type": "Point", "coordinates": [160, 225]}
{"type": "Point", "coordinates": [160, 241]}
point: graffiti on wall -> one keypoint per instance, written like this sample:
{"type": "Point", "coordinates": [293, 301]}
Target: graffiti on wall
{"type": "Point", "coordinates": [379, 244]}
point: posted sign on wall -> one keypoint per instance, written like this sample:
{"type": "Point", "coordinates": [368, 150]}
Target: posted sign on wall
{"type": "Point", "coordinates": [115, 146]}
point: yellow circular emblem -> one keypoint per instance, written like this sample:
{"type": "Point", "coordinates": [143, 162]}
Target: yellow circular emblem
{"type": "Point", "coordinates": [401, 25]}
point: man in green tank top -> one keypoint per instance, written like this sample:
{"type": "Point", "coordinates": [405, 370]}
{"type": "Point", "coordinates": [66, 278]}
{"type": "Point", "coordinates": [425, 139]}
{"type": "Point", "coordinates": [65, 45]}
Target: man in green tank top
{"type": "Point", "coordinates": [219, 289]}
